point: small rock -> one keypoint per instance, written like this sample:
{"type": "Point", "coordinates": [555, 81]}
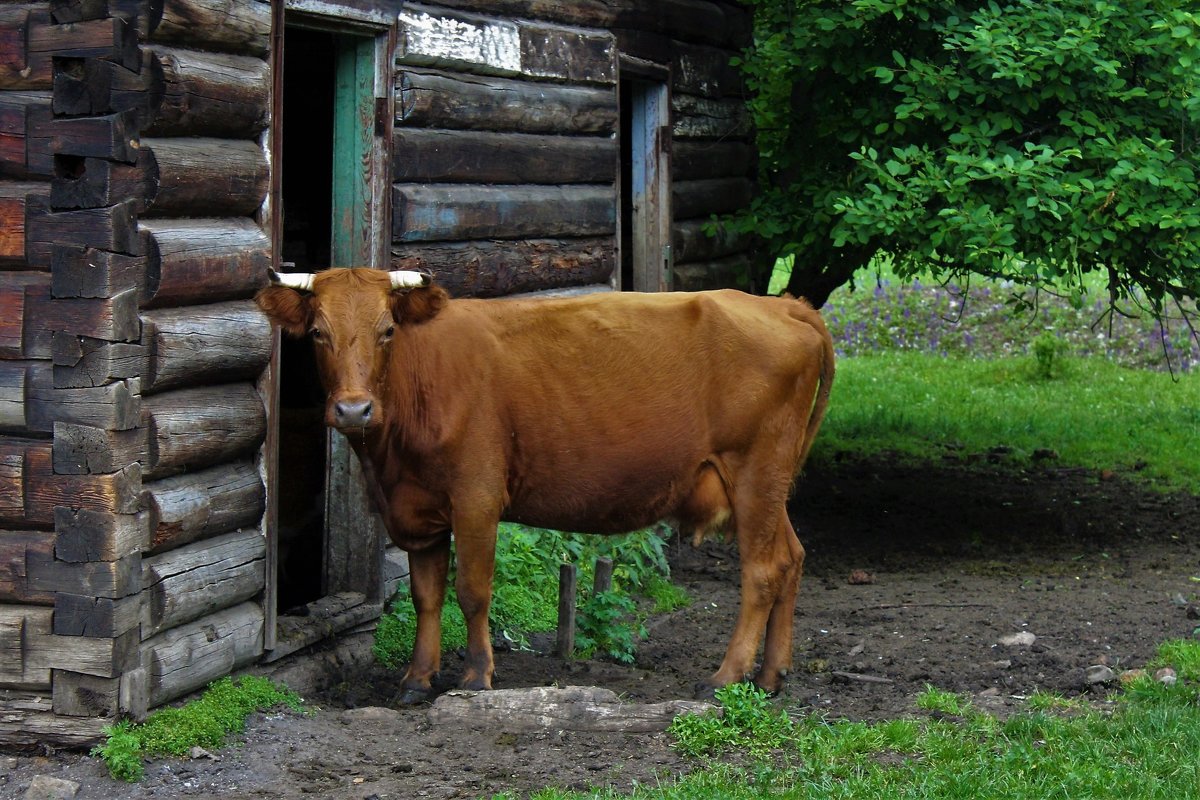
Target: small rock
{"type": "Point", "coordinates": [992, 692]}
{"type": "Point", "coordinates": [860, 577]}
{"type": "Point", "coordinates": [1179, 600]}
{"type": "Point", "coordinates": [1003, 663]}
{"type": "Point", "coordinates": [1020, 639]}
{"type": "Point", "coordinates": [1192, 611]}
{"type": "Point", "coordinates": [1131, 675]}
{"type": "Point", "coordinates": [1166, 676]}
{"type": "Point", "coordinates": [1098, 673]}
{"type": "Point", "coordinates": [858, 648]}
{"type": "Point", "coordinates": [44, 787]}
{"type": "Point", "coordinates": [200, 752]}
{"type": "Point", "coordinates": [370, 714]}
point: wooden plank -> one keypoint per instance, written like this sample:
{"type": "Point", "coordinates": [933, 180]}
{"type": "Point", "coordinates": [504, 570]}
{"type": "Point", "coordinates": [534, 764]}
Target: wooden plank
{"type": "Point", "coordinates": [85, 449]}
{"type": "Point", "coordinates": [23, 407]}
{"type": "Point", "coordinates": [702, 199]}
{"type": "Point", "coordinates": [497, 46]}
{"type": "Point", "coordinates": [16, 69]}
{"type": "Point", "coordinates": [27, 719]}
{"type": "Point", "coordinates": [78, 10]}
{"type": "Point", "coordinates": [227, 26]}
{"type": "Point", "coordinates": [731, 271]}
{"type": "Point", "coordinates": [88, 272]}
{"type": "Point", "coordinates": [102, 657]}
{"type": "Point", "coordinates": [16, 548]}
{"type": "Point", "coordinates": [322, 619]}
{"type": "Point", "coordinates": [204, 344]}
{"type": "Point", "coordinates": [111, 39]}
{"type": "Point", "coordinates": [185, 658]}
{"type": "Point", "coordinates": [24, 301]}
{"type": "Point", "coordinates": [193, 428]}
{"type": "Point", "coordinates": [695, 117]}
{"type": "Point", "coordinates": [13, 201]}
{"type": "Point", "coordinates": [495, 268]}
{"type": "Point", "coordinates": [114, 406]}
{"type": "Point", "coordinates": [114, 493]}
{"type": "Point", "coordinates": [210, 94]}
{"type": "Point", "coordinates": [78, 695]}
{"type": "Point", "coordinates": [110, 136]}
{"type": "Point", "coordinates": [204, 177]}
{"type": "Point", "coordinates": [203, 503]}
{"type": "Point", "coordinates": [82, 361]}
{"type": "Point", "coordinates": [441, 156]}
{"type": "Point", "coordinates": [438, 100]}
{"type": "Point", "coordinates": [89, 87]}
{"type": "Point", "coordinates": [25, 467]}
{"type": "Point", "coordinates": [111, 579]}
{"type": "Point", "coordinates": [192, 261]}
{"type": "Point", "coordinates": [20, 157]}
{"type": "Point", "coordinates": [112, 228]}
{"type": "Point", "coordinates": [83, 535]}
{"type": "Point", "coordinates": [96, 617]}
{"type": "Point", "coordinates": [96, 182]}
{"type": "Point", "coordinates": [112, 319]}
{"type": "Point", "coordinates": [689, 20]}
{"type": "Point", "coordinates": [447, 212]}
{"type": "Point", "coordinates": [18, 626]}
{"type": "Point", "coordinates": [697, 159]}
{"type": "Point", "coordinates": [198, 579]}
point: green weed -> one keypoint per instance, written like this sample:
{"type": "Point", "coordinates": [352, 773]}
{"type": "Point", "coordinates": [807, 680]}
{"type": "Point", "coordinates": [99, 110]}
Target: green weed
{"type": "Point", "coordinates": [204, 722]}
{"type": "Point", "coordinates": [749, 722]}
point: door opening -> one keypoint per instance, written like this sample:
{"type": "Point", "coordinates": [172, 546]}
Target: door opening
{"type": "Point", "coordinates": [645, 185]}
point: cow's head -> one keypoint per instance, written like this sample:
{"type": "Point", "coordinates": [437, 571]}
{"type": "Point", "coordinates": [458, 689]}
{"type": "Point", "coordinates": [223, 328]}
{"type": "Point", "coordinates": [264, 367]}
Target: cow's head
{"type": "Point", "coordinates": [353, 316]}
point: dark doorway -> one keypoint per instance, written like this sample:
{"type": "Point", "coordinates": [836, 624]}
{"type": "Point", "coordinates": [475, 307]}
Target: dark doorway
{"type": "Point", "coordinates": [307, 208]}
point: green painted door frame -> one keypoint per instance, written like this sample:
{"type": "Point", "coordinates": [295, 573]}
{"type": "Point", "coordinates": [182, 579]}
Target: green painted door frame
{"type": "Point", "coordinates": [353, 146]}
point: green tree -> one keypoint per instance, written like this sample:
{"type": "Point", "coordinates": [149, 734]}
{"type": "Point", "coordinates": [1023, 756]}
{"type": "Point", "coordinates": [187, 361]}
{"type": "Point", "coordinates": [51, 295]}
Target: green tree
{"type": "Point", "coordinates": [1031, 141]}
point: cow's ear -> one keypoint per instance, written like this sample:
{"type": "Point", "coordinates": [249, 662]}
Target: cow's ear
{"type": "Point", "coordinates": [414, 306]}
{"type": "Point", "coordinates": [289, 309]}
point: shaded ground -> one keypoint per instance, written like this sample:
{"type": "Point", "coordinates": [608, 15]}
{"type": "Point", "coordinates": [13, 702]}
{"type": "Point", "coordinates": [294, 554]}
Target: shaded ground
{"type": "Point", "coordinates": [960, 554]}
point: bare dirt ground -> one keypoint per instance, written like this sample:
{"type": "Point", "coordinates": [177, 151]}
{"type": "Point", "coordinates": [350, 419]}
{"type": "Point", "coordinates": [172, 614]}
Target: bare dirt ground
{"type": "Point", "coordinates": [957, 556]}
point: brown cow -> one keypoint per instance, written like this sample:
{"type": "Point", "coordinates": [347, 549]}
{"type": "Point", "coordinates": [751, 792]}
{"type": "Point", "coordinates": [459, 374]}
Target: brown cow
{"type": "Point", "coordinates": [601, 413]}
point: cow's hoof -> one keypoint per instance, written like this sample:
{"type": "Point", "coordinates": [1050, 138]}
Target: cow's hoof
{"type": "Point", "coordinates": [705, 691]}
{"type": "Point", "coordinates": [414, 697]}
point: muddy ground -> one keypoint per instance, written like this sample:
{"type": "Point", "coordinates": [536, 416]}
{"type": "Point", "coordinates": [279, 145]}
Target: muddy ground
{"type": "Point", "coordinates": [959, 555]}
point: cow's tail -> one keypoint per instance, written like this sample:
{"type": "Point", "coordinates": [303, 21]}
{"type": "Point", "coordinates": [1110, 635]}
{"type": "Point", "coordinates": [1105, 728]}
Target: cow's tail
{"type": "Point", "coordinates": [821, 400]}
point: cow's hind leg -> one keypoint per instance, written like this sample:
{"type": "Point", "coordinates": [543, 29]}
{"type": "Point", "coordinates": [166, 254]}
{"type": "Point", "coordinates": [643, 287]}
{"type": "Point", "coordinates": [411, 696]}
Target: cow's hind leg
{"type": "Point", "coordinates": [427, 574]}
{"type": "Point", "coordinates": [777, 651]}
{"type": "Point", "coordinates": [770, 569]}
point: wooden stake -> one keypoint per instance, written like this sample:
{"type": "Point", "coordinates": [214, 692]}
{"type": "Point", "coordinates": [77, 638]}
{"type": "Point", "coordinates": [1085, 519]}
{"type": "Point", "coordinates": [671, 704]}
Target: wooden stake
{"type": "Point", "coordinates": [604, 571]}
{"type": "Point", "coordinates": [566, 611]}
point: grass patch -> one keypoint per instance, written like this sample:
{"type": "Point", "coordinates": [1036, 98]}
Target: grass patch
{"type": "Point", "coordinates": [1095, 414]}
{"type": "Point", "coordinates": [204, 722]}
{"type": "Point", "coordinates": [1143, 749]}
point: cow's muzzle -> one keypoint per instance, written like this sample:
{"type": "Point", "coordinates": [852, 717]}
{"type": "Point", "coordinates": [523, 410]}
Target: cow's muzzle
{"type": "Point", "coordinates": [352, 413]}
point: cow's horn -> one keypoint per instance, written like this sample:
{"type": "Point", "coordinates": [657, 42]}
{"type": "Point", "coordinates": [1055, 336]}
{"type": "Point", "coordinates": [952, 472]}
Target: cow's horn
{"type": "Point", "coordinates": [300, 281]}
{"type": "Point", "coordinates": [407, 279]}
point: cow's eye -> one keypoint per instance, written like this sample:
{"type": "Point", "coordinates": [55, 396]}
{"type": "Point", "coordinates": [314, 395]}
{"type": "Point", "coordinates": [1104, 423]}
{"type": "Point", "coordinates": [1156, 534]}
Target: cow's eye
{"type": "Point", "coordinates": [391, 329]}
{"type": "Point", "coordinates": [315, 333]}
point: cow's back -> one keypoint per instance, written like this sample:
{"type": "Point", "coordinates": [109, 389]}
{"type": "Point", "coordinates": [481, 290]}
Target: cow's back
{"type": "Point", "coordinates": [604, 407]}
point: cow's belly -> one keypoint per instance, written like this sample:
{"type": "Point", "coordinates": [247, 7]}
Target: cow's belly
{"type": "Point", "coordinates": [603, 495]}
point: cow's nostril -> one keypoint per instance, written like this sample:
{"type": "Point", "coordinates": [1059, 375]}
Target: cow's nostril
{"type": "Point", "coordinates": [353, 415]}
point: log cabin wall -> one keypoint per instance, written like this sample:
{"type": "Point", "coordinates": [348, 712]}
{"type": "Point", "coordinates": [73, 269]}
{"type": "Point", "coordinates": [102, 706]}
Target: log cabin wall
{"type": "Point", "coordinates": [132, 188]}
{"type": "Point", "coordinates": [133, 181]}
{"type": "Point", "coordinates": [506, 153]}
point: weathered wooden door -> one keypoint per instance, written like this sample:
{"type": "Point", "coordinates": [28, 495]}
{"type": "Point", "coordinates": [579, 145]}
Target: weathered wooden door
{"type": "Point", "coordinates": [646, 187]}
{"type": "Point", "coordinates": [330, 125]}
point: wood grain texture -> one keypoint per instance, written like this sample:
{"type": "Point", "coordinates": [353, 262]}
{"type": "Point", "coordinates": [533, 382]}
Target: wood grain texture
{"type": "Point", "coordinates": [187, 657]}
{"type": "Point", "coordinates": [204, 503]}
{"type": "Point", "coordinates": [204, 344]}
{"type": "Point", "coordinates": [27, 719]}
{"type": "Point", "coordinates": [210, 94]}
{"type": "Point", "coordinates": [442, 156]}
{"type": "Point", "coordinates": [192, 261]}
{"type": "Point", "coordinates": [446, 212]}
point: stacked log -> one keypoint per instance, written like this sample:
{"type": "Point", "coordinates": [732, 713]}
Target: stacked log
{"type": "Point", "coordinates": [130, 418]}
{"type": "Point", "coordinates": [506, 158]}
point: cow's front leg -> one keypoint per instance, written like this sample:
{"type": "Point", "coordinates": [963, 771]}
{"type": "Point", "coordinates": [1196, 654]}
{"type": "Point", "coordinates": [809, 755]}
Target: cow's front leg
{"type": "Point", "coordinates": [475, 562]}
{"type": "Point", "coordinates": [428, 568]}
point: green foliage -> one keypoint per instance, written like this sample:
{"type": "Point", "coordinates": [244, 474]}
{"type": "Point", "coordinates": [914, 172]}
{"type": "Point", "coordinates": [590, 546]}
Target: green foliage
{"type": "Point", "coordinates": [525, 593]}
{"type": "Point", "coordinates": [667, 596]}
{"type": "Point", "coordinates": [204, 722]}
{"type": "Point", "coordinates": [748, 722]}
{"type": "Point", "coordinates": [1038, 142]}
{"type": "Point", "coordinates": [1048, 352]}
{"type": "Point", "coordinates": [934, 699]}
